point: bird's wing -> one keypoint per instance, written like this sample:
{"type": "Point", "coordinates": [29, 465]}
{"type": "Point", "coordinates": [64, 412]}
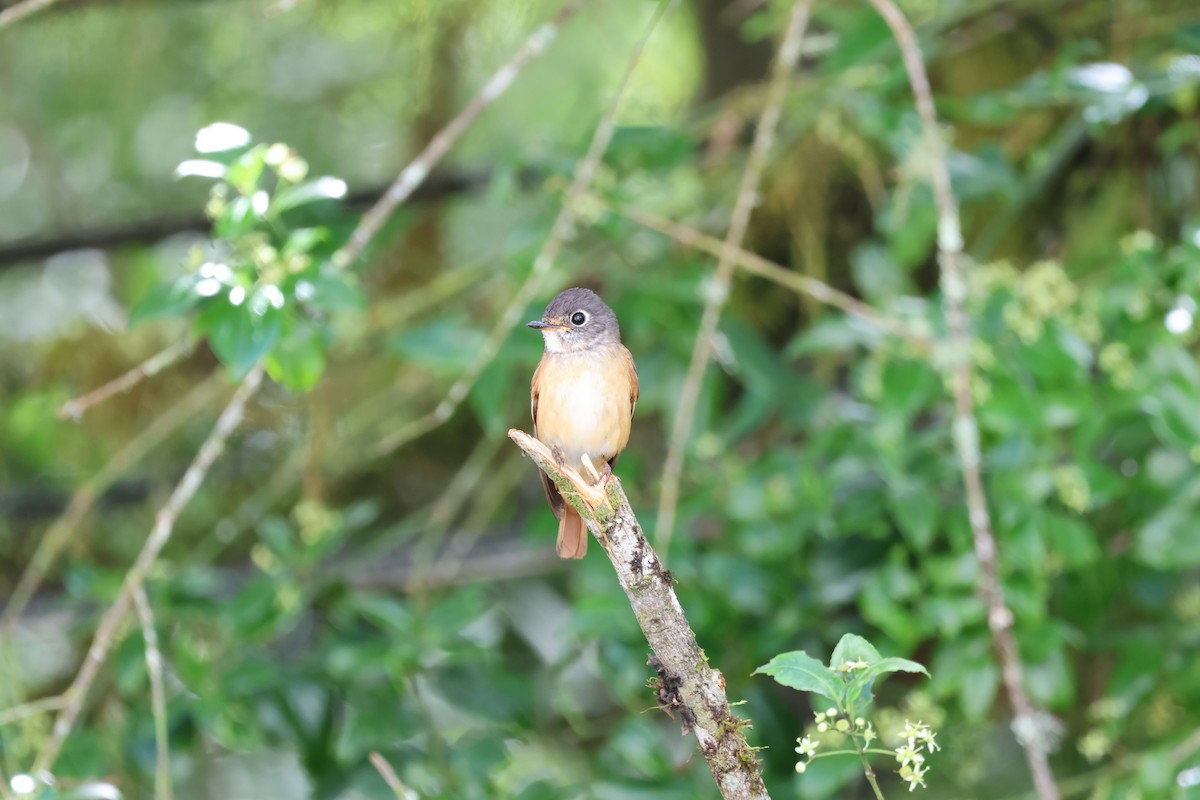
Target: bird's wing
{"type": "Point", "coordinates": [557, 504]}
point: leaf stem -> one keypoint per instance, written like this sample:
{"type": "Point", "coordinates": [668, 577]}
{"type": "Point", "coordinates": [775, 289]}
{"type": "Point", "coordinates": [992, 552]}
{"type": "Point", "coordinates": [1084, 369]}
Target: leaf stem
{"type": "Point", "coordinates": [867, 770]}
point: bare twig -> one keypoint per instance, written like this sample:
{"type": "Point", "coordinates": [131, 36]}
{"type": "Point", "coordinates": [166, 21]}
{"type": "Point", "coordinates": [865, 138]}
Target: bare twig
{"type": "Point", "coordinates": [73, 409]}
{"type": "Point", "coordinates": [158, 695]}
{"type": "Point", "coordinates": [13, 13]}
{"type": "Point", "coordinates": [757, 265]}
{"type": "Point", "coordinates": [390, 777]}
{"type": "Point", "coordinates": [718, 291]}
{"type": "Point", "coordinates": [1086, 782]}
{"type": "Point", "coordinates": [18, 713]}
{"type": "Point", "coordinates": [1030, 723]}
{"type": "Point", "coordinates": [164, 524]}
{"type": "Point", "coordinates": [686, 684]}
{"type": "Point", "coordinates": [564, 225]}
{"type": "Point", "coordinates": [57, 536]}
{"type": "Point", "coordinates": [412, 175]}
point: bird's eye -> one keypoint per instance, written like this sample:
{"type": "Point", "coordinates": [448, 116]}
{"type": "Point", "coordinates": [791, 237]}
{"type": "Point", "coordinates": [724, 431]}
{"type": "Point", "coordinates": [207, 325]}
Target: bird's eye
{"type": "Point", "coordinates": [578, 318]}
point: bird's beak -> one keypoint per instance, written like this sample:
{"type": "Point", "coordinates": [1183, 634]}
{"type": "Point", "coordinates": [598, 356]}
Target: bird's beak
{"type": "Point", "coordinates": [537, 324]}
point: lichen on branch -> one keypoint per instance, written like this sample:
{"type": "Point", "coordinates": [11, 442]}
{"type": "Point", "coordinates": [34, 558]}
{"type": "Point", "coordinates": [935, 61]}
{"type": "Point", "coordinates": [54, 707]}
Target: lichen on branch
{"type": "Point", "coordinates": [687, 687]}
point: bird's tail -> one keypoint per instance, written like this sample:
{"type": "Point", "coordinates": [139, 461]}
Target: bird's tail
{"type": "Point", "coordinates": [572, 534]}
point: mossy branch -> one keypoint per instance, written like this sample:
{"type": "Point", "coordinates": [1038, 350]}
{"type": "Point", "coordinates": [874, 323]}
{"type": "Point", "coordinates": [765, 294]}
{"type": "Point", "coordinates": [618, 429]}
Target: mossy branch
{"type": "Point", "coordinates": [686, 684]}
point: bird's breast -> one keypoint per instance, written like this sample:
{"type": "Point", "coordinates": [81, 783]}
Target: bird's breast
{"type": "Point", "coordinates": [584, 403]}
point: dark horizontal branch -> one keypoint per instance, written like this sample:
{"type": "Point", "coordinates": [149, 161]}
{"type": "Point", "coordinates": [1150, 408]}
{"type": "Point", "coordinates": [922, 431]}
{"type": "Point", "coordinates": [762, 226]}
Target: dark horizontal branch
{"type": "Point", "coordinates": [437, 187]}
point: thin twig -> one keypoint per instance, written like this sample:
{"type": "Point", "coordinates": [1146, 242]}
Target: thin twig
{"type": "Point", "coordinates": [1029, 723]}
{"type": "Point", "coordinates": [420, 167]}
{"type": "Point", "coordinates": [687, 684]}
{"type": "Point", "coordinates": [13, 13]}
{"type": "Point", "coordinates": [17, 713]}
{"type": "Point", "coordinates": [158, 696]}
{"type": "Point", "coordinates": [718, 291]}
{"type": "Point", "coordinates": [390, 777]}
{"type": "Point", "coordinates": [164, 524]}
{"type": "Point", "coordinates": [57, 536]}
{"type": "Point", "coordinates": [564, 227]}
{"type": "Point", "coordinates": [73, 409]}
{"type": "Point", "coordinates": [757, 265]}
{"type": "Point", "coordinates": [1085, 782]}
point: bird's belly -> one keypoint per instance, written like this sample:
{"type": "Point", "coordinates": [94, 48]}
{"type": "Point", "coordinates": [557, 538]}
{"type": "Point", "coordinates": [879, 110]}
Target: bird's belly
{"type": "Point", "coordinates": [583, 407]}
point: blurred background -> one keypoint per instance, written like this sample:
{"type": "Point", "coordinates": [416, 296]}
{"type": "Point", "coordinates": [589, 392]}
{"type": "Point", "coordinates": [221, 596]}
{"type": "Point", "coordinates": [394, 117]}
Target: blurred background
{"type": "Point", "coordinates": [357, 574]}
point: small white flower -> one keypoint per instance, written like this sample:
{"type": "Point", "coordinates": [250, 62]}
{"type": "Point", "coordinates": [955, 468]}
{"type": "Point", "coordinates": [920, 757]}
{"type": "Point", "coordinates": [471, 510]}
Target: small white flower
{"type": "Point", "coordinates": [906, 754]}
{"type": "Point", "coordinates": [914, 776]}
{"type": "Point", "coordinates": [807, 747]}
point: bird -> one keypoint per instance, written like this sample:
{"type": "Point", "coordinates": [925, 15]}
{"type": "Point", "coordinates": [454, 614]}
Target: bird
{"type": "Point", "coordinates": [582, 397]}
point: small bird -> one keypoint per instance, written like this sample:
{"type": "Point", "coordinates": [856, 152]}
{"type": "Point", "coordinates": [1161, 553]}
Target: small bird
{"type": "Point", "coordinates": [582, 397]}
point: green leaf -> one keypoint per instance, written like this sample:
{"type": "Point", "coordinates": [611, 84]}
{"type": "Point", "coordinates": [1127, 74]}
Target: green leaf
{"type": "Point", "coordinates": [853, 648]}
{"type": "Point", "coordinates": [298, 359]}
{"type": "Point", "coordinates": [329, 289]}
{"type": "Point", "coordinates": [916, 511]}
{"type": "Point", "coordinates": [240, 216]}
{"type": "Point", "coordinates": [877, 274]}
{"type": "Point", "coordinates": [445, 345]}
{"type": "Point", "coordinates": [648, 147]}
{"type": "Point", "coordinates": [892, 664]}
{"type": "Point", "coordinates": [800, 671]}
{"type": "Point", "coordinates": [166, 300]}
{"type": "Point", "coordinates": [304, 240]}
{"type": "Point", "coordinates": [325, 188]}
{"type": "Point", "coordinates": [246, 171]}
{"type": "Point", "coordinates": [836, 335]}
{"type": "Point", "coordinates": [1073, 541]}
{"type": "Point", "coordinates": [977, 689]}
{"type": "Point", "coordinates": [238, 335]}
{"type": "Point", "coordinates": [1168, 540]}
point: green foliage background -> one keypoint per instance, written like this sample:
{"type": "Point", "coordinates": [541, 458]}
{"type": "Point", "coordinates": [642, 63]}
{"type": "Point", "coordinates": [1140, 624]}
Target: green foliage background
{"type": "Point", "coordinates": [325, 597]}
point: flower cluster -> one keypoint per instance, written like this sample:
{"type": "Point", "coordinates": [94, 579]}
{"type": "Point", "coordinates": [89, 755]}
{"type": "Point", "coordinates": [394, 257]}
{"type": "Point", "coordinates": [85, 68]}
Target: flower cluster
{"type": "Point", "coordinates": [918, 737]}
{"type": "Point", "coordinates": [832, 721]}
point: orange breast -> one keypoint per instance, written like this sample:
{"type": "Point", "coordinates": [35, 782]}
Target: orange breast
{"type": "Point", "coordinates": [584, 403]}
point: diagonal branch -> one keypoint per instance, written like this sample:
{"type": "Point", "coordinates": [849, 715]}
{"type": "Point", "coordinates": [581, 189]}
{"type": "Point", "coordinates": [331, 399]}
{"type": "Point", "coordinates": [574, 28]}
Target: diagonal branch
{"type": "Point", "coordinates": [764, 268]}
{"type": "Point", "coordinates": [160, 534]}
{"type": "Point", "coordinates": [718, 292]}
{"type": "Point", "coordinates": [686, 683]}
{"type": "Point", "coordinates": [13, 13]}
{"type": "Point", "coordinates": [1030, 724]}
{"type": "Point", "coordinates": [59, 534]}
{"type": "Point", "coordinates": [564, 227]}
{"type": "Point", "coordinates": [74, 408]}
{"type": "Point", "coordinates": [415, 173]}
{"type": "Point", "coordinates": [158, 696]}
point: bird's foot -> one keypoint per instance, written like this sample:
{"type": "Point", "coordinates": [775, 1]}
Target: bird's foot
{"type": "Point", "coordinates": [559, 458]}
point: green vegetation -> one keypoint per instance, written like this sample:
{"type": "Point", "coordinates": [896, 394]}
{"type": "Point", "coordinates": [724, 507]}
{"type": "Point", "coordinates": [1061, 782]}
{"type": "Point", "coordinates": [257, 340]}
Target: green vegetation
{"type": "Point", "coordinates": [368, 566]}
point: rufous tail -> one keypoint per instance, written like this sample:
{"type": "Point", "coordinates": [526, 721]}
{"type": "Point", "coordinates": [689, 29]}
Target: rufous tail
{"type": "Point", "coordinates": [572, 535]}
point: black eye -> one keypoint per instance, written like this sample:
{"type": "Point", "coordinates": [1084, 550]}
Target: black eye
{"type": "Point", "coordinates": [578, 318]}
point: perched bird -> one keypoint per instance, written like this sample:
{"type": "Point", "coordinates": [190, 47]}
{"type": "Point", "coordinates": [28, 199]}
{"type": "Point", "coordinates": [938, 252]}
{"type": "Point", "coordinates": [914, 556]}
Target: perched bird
{"type": "Point", "coordinates": [582, 397]}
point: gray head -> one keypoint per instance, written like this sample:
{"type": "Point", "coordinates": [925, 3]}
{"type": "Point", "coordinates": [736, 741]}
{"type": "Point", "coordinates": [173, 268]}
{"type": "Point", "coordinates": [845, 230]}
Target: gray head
{"type": "Point", "coordinates": [577, 319]}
